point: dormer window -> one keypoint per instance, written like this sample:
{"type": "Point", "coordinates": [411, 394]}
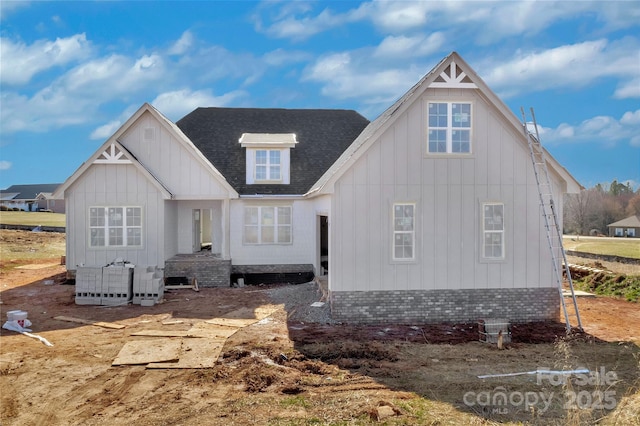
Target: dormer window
{"type": "Point", "coordinates": [268, 166]}
{"type": "Point", "coordinates": [268, 157]}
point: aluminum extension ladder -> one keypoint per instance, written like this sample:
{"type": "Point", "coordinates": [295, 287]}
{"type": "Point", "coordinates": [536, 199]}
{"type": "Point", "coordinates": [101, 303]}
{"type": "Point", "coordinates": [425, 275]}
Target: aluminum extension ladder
{"type": "Point", "coordinates": [547, 206]}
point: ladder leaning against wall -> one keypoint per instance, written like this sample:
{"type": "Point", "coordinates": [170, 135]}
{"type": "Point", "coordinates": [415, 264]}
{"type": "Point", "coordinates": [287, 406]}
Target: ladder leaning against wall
{"type": "Point", "coordinates": [552, 227]}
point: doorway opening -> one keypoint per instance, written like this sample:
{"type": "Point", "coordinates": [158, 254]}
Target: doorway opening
{"type": "Point", "coordinates": [202, 238]}
{"type": "Point", "coordinates": [324, 244]}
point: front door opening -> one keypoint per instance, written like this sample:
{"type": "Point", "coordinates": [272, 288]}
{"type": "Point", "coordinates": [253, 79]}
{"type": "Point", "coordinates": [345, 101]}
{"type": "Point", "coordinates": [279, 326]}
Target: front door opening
{"type": "Point", "coordinates": [201, 230]}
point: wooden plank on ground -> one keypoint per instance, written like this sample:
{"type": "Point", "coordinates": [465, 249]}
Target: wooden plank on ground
{"type": "Point", "coordinates": [140, 352]}
{"type": "Point", "coordinates": [90, 322]}
{"type": "Point", "coordinates": [195, 353]}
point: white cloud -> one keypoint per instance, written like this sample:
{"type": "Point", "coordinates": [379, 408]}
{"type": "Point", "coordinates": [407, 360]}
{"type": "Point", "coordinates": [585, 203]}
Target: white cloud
{"type": "Point", "coordinates": [343, 74]}
{"type": "Point", "coordinates": [75, 97]}
{"type": "Point", "coordinates": [5, 165]}
{"type": "Point", "coordinates": [488, 21]}
{"type": "Point", "coordinates": [631, 118]}
{"type": "Point", "coordinates": [6, 7]}
{"type": "Point", "coordinates": [574, 65]}
{"type": "Point", "coordinates": [287, 25]}
{"type": "Point", "coordinates": [106, 130]}
{"type": "Point", "coordinates": [177, 103]}
{"type": "Point", "coordinates": [628, 89]}
{"type": "Point", "coordinates": [408, 46]}
{"type": "Point", "coordinates": [182, 44]}
{"type": "Point", "coordinates": [280, 57]}
{"type": "Point", "coordinates": [605, 130]}
{"type": "Point", "coordinates": [20, 62]}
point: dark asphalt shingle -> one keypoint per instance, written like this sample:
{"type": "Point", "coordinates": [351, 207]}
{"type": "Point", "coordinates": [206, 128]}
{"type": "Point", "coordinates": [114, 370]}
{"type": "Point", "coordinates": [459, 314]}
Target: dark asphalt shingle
{"type": "Point", "coordinates": [322, 136]}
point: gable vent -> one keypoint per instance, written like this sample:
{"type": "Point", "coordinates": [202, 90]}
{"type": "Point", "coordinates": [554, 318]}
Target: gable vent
{"type": "Point", "coordinates": [453, 77]}
{"type": "Point", "coordinates": [149, 134]}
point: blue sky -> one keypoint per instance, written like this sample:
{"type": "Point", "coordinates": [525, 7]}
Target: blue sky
{"type": "Point", "coordinates": [72, 72]}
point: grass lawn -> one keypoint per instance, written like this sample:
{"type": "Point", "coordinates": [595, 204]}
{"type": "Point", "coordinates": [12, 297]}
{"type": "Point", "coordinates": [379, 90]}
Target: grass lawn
{"type": "Point", "coordinates": [32, 218]}
{"type": "Point", "coordinates": [626, 247]}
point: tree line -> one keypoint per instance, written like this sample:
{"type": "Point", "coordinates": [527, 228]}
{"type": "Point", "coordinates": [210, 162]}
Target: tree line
{"type": "Point", "coordinates": [590, 211]}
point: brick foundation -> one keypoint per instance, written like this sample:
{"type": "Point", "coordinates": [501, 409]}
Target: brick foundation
{"type": "Point", "coordinates": [271, 269]}
{"type": "Point", "coordinates": [432, 306]}
{"type": "Point", "coordinates": [209, 270]}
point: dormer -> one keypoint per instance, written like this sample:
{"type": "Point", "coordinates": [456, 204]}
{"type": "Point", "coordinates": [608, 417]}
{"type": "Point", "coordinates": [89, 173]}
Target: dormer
{"type": "Point", "coordinates": [268, 157]}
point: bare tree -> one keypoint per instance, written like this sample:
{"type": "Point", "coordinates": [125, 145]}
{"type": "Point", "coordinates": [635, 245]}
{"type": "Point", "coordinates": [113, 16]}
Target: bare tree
{"type": "Point", "coordinates": [633, 207]}
{"type": "Point", "coordinates": [581, 211]}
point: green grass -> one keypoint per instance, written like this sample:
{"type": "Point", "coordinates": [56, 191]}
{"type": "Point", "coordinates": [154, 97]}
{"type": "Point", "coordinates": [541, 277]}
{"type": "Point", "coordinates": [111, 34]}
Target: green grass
{"type": "Point", "coordinates": [626, 287]}
{"type": "Point", "coordinates": [625, 247]}
{"type": "Point", "coordinates": [32, 218]}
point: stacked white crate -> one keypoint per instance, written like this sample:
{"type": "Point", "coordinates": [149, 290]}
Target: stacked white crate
{"type": "Point", "coordinates": [117, 285]}
{"type": "Point", "coordinates": [89, 285]}
{"type": "Point", "coordinates": [148, 285]}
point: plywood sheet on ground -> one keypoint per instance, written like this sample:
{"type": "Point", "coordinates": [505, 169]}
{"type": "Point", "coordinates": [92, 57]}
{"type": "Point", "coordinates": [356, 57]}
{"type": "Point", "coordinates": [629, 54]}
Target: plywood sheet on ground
{"type": "Point", "coordinates": [102, 324]}
{"type": "Point", "coordinates": [195, 353]}
{"type": "Point", "coordinates": [161, 333]}
{"type": "Point", "coordinates": [244, 317]}
{"type": "Point", "coordinates": [139, 352]}
{"type": "Point", "coordinates": [211, 331]}
{"type": "Point", "coordinates": [232, 322]}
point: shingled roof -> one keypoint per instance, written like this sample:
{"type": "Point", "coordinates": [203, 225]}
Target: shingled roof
{"type": "Point", "coordinates": [322, 136]}
{"type": "Point", "coordinates": [30, 192]}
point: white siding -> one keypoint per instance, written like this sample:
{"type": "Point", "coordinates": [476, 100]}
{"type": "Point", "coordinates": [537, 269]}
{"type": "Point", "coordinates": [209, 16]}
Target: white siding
{"type": "Point", "coordinates": [114, 185]}
{"type": "Point", "coordinates": [172, 163]}
{"type": "Point", "coordinates": [448, 192]}
{"type": "Point", "coordinates": [302, 250]}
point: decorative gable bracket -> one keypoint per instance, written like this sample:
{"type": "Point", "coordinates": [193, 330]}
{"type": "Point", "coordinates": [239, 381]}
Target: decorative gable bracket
{"type": "Point", "coordinates": [452, 77]}
{"type": "Point", "coordinates": [112, 155]}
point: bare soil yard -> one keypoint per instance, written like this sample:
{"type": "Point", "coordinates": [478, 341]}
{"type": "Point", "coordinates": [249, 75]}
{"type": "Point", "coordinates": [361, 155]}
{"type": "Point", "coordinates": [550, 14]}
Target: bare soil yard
{"type": "Point", "coordinates": [295, 367]}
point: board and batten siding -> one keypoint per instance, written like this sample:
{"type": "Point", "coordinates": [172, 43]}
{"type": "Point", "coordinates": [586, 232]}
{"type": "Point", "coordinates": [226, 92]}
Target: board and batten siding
{"type": "Point", "coordinates": [303, 248]}
{"type": "Point", "coordinates": [448, 191]}
{"type": "Point", "coordinates": [114, 185]}
{"type": "Point", "coordinates": [170, 161]}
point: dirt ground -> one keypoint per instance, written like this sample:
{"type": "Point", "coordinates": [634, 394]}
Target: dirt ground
{"type": "Point", "coordinates": [293, 368]}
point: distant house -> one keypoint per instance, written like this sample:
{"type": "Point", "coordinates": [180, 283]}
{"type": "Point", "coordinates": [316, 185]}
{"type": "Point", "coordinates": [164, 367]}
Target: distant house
{"type": "Point", "coordinates": [32, 198]}
{"type": "Point", "coordinates": [628, 227]}
{"type": "Point", "coordinates": [429, 213]}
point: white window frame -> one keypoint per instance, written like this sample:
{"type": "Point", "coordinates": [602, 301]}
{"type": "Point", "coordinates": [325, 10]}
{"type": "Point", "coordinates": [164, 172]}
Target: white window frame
{"type": "Point", "coordinates": [115, 226]}
{"type": "Point", "coordinates": [251, 168]}
{"type": "Point", "coordinates": [450, 129]}
{"type": "Point", "coordinates": [493, 231]}
{"type": "Point", "coordinates": [268, 165]}
{"type": "Point", "coordinates": [619, 232]}
{"type": "Point", "coordinates": [265, 221]}
{"type": "Point", "coordinates": [403, 230]}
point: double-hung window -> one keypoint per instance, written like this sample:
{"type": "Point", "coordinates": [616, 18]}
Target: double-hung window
{"type": "Point", "coordinates": [115, 226]}
{"type": "Point", "coordinates": [493, 231]}
{"type": "Point", "coordinates": [404, 241]}
{"type": "Point", "coordinates": [449, 128]}
{"type": "Point", "coordinates": [268, 165]}
{"type": "Point", "coordinates": [267, 225]}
